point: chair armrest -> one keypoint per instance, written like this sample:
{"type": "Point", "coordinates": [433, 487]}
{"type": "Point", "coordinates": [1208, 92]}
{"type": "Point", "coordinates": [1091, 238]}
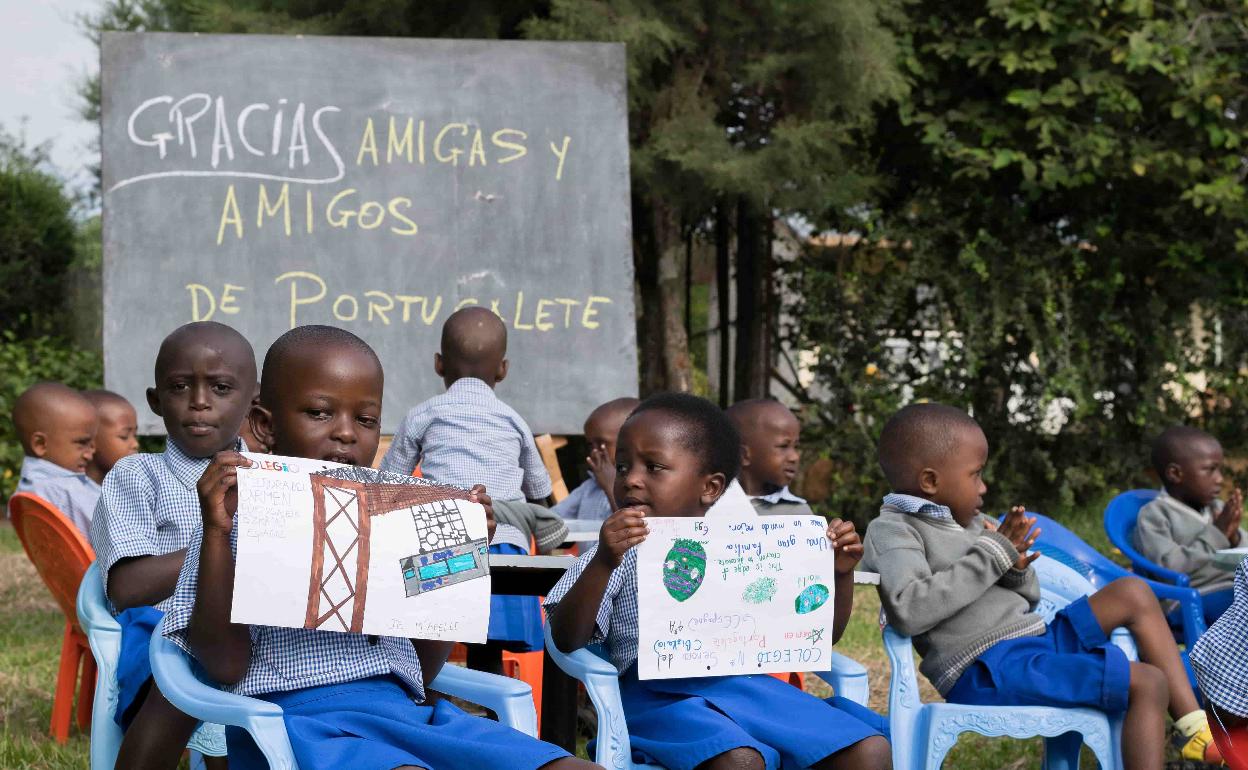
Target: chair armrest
{"type": "Point", "coordinates": [602, 684]}
{"type": "Point", "coordinates": [848, 679]}
{"type": "Point", "coordinates": [510, 698]}
{"type": "Point", "coordinates": [1159, 574]}
{"type": "Point", "coordinates": [1122, 639]}
{"type": "Point", "coordinates": [1191, 608]}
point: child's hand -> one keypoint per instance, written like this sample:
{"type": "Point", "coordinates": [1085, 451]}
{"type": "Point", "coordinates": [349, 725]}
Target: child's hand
{"type": "Point", "coordinates": [478, 495]}
{"type": "Point", "coordinates": [1229, 517]}
{"type": "Point", "coordinates": [218, 491]}
{"type": "Point", "coordinates": [1017, 527]}
{"type": "Point", "coordinates": [846, 544]}
{"type": "Point", "coordinates": [604, 471]}
{"type": "Point", "coordinates": [621, 531]}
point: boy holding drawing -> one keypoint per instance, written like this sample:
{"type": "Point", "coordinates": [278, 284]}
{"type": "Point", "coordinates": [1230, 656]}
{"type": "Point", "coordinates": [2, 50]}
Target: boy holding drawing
{"type": "Point", "coordinates": [468, 436]}
{"type": "Point", "coordinates": [149, 511]}
{"type": "Point", "coordinates": [964, 588]}
{"type": "Point", "coordinates": [349, 700]}
{"type": "Point", "coordinates": [675, 456]}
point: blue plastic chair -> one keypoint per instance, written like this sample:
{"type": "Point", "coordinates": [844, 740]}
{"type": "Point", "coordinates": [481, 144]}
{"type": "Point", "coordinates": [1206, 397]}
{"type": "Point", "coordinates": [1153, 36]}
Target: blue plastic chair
{"type": "Point", "coordinates": [923, 733]}
{"type": "Point", "coordinates": [1120, 517]}
{"type": "Point", "coordinates": [588, 665]}
{"type": "Point", "coordinates": [182, 682]}
{"type": "Point", "coordinates": [105, 637]}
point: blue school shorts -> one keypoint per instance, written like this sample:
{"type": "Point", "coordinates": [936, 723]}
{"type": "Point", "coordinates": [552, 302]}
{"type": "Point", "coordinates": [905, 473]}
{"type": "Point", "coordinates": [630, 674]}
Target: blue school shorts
{"type": "Point", "coordinates": [681, 723]}
{"type": "Point", "coordinates": [134, 669]}
{"type": "Point", "coordinates": [1073, 664]}
{"type": "Point", "coordinates": [516, 621]}
{"type": "Point", "coordinates": [373, 724]}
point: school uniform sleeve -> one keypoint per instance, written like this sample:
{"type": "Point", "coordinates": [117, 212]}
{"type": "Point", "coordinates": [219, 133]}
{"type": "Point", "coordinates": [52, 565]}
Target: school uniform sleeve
{"type": "Point", "coordinates": [1023, 582]}
{"type": "Point", "coordinates": [916, 598]}
{"type": "Point", "coordinates": [1155, 538]}
{"type": "Point", "coordinates": [408, 445]}
{"type": "Point", "coordinates": [177, 618]}
{"type": "Point", "coordinates": [124, 523]}
{"type": "Point", "coordinates": [536, 484]}
{"type": "Point", "coordinates": [570, 506]}
{"type": "Point", "coordinates": [602, 621]}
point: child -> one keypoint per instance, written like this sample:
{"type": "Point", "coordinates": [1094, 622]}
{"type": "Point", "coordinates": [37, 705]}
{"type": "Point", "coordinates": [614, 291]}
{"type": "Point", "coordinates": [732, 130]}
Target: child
{"type": "Point", "coordinates": [1187, 522]}
{"type": "Point", "coordinates": [56, 426]}
{"type": "Point", "coordinates": [117, 435]}
{"type": "Point", "coordinates": [676, 455]}
{"type": "Point", "coordinates": [149, 510]}
{"type": "Point", "coordinates": [769, 455]}
{"type": "Point", "coordinates": [592, 500]}
{"type": "Point", "coordinates": [349, 700]}
{"type": "Point", "coordinates": [1218, 659]}
{"type": "Point", "coordinates": [965, 590]}
{"type": "Point", "coordinates": [467, 436]}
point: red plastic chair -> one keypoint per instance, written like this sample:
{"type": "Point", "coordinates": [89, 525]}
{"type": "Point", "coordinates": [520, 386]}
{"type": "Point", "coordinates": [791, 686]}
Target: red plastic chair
{"type": "Point", "coordinates": [1233, 743]}
{"type": "Point", "coordinates": [61, 555]}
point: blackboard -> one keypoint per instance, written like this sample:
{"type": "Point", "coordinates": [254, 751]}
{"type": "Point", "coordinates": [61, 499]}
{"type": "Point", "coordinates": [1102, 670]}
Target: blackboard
{"type": "Point", "coordinates": [374, 184]}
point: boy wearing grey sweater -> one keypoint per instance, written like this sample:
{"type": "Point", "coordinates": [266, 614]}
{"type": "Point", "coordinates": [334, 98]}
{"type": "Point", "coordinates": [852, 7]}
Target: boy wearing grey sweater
{"type": "Point", "coordinates": [1183, 527]}
{"type": "Point", "coordinates": [964, 589]}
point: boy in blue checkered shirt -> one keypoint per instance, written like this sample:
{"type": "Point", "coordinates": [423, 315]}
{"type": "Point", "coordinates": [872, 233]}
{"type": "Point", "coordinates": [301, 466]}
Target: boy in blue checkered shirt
{"type": "Point", "coordinates": [348, 700]}
{"type": "Point", "coordinates": [469, 436]}
{"type": "Point", "coordinates": [149, 511]}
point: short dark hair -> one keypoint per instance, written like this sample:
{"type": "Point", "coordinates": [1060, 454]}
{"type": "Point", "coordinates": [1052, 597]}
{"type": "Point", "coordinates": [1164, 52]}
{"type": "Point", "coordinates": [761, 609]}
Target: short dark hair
{"type": "Point", "coordinates": [916, 435]}
{"type": "Point", "coordinates": [707, 431]}
{"type": "Point", "coordinates": [1174, 444]}
{"type": "Point", "coordinates": [301, 338]}
{"type": "Point", "coordinates": [211, 329]}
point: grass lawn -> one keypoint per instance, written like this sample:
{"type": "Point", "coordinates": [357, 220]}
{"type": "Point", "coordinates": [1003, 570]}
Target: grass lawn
{"type": "Point", "coordinates": [31, 628]}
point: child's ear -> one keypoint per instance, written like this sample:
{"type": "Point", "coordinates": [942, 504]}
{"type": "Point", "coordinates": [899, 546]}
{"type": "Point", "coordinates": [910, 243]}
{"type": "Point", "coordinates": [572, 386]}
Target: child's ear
{"type": "Point", "coordinates": [501, 374]}
{"type": "Point", "coordinates": [153, 401]}
{"type": "Point", "coordinates": [712, 487]}
{"type": "Point", "coordinates": [438, 369]}
{"type": "Point", "coordinates": [1174, 474]}
{"type": "Point", "coordinates": [261, 420]}
{"type": "Point", "coordinates": [39, 443]}
{"type": "Point", "coordinates": [745, 454]}
{"type": "Point", "coordinates": [928, 481]}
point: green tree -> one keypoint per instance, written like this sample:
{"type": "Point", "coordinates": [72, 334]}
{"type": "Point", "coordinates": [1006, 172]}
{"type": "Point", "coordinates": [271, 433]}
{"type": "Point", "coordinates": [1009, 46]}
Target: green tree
{"type": "Point", "coordinates": [37, 239]}
{"type": "Point", "coordinates": [1060, 245]}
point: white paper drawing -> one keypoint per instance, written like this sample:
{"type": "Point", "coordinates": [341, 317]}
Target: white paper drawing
{"type": "Point", "coordinates": [349, 549]}
{"type": "Point", "coordinates": [734, 593]}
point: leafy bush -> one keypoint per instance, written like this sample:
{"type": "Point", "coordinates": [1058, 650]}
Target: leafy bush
{"type": "Point", "coordinates": [23, 362]}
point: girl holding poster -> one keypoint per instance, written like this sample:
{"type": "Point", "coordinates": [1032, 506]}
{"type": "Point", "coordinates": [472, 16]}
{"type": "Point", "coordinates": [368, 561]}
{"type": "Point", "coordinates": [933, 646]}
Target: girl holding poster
{"type": "Point", "coordinates": [675, 456]}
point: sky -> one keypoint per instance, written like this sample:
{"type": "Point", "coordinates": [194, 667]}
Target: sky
{"type": "Point", "coordinates": [43, 56]}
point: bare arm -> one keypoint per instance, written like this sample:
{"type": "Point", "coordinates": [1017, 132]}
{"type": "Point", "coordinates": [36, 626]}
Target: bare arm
{"type": "Point", "coordinates": [222, 648]}
{"type": "Point", "coordinates": [432, 655]}
{"type": "Point", "coordinates": [140, 581]}
{"type": "Point", "coordinates": [847, 547]}
{"type": "Point", "coordinates": [572, 623]}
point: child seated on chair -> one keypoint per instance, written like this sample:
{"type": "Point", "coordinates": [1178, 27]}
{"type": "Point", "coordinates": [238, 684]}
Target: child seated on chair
{"type": "Point", "coordinates": [117, 434]}
{"type": "Point", "coordinates": [592, 501]}
{"type": "Point", "coordinates": [56, 426]}
{"type": "Point", "coordinates": [149, 512]}
{"type": "Point", "coordinates": [349, 700]}
{"type": "Point", "coordinates": [676, 455]}
{"type": "Point", "coordinates": [467, 436]}
{"type": "Point", "coordinates": [964, 588]}
{"type": "Point", "coordinates": [769, 455]}
{"type": "Point", "coordinates": [1186, 523]}
{"type": "Point", "coordinates": [1218, 659]}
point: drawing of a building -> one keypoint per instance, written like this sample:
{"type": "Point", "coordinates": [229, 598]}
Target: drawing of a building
{"type": "Point", "coordinates": [343, 510]}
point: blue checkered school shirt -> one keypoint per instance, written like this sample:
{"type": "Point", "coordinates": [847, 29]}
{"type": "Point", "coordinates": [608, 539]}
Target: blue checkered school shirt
{"type": "Point", "coordinates": [468, 436]}
{"type": "Point", "coordinates": [148, 507]}
{"type": "Point", "coordinates": [919, 505]}
{"type": "Point", "coordinates": [74, 494]}
{"type": "Point", "coordinates": [1220, 657]}
{"type": "Point", "coordinates": [284, 659]}
{"type": "Point", "coordinates": [616, 623]}
{"type": "Point", "coordinates": [587, 502]}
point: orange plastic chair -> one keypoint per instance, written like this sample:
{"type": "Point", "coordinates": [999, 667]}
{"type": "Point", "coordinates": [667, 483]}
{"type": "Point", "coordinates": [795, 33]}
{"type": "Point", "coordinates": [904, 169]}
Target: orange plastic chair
{"type": "Point", "coordinates": [61, 555]}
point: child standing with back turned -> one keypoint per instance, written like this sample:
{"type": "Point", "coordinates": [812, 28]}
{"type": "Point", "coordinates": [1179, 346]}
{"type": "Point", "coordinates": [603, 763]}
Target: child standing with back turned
{"type": "Point", "coordinates": [965, 590]}
{"type": "Point", "coordinates": [676, 455]}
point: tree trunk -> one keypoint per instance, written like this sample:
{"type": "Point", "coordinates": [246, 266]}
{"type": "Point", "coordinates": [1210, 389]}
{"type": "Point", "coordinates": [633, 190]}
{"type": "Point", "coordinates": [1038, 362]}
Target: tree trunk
{"type": "Point", "coordinates": [723, 279]}
{"type": "Point", "coordinates": [663, 346]}
{"type": "Point", "coordinates": [754, 279]}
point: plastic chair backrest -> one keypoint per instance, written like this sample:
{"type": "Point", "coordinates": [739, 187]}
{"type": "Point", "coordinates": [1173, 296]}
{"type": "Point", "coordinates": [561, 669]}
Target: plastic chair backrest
{"type": "Point", "coordinates": [104, 634]}
{"type": "Point", "coordinates": [1060, 544]}
{"type": "Point", "coordinates": [58, 550]}
{"type": "Point", "coordinates": [1120, 517]}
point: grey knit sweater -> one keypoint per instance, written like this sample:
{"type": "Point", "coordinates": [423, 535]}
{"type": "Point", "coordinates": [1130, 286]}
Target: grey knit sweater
{"type": "Point", "coordinates": [953, 589]}
{"type": "Point", "coordinates": [1179, 537]}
